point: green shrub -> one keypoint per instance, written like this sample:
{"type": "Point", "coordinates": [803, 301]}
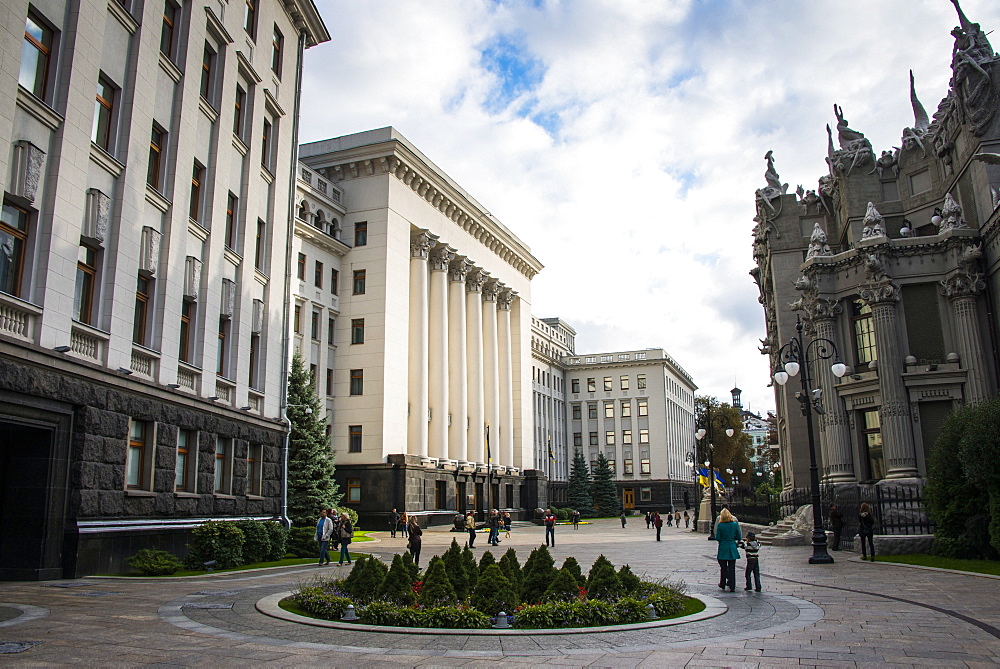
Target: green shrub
{"type": "Point", "coordinates": [563, 588]}
{"type": "Point", "coordinates": [278, 544]}
{"type": "Point", "coordinates": [150, 562]}
{"type": "Point", "coordinates": [351, 513]}
{"type": "Point", "coordinates": [218, 540]}
{"type": "Point", "coordinates": [603, 582]}
{"type": "Point", "coordinates": [385, 613]}
{"type": "Point", "coordinates": [437, 589]}
{"type": "Point", "coordinates": [667, 602]}
{"type": "Point", "coordinates": [471, 568]}
{"type": "Point", "coordinates": [397, 587]}
{"type": "Point", "coordinates": [256, 541]}
{"type": "Point", "coordinates": [630, 582]}
{"type": "Point", "coordinates": [588, 613]}
{"type": "Point", "coordinates": [511, 569]}
{"type": "Point", "coordinates": [318, 602]}
{"type": "Point", "coordinates": [561, 514]}
{"type": "Point", "coordinates": [486, 561]}
{"type": "Point", "coordinates": [630, 610]}
{"type": "Point", "coordinates": [302, 541]}
{"type": "Point", "coordinates": [453, 617]}
{"type": "Point", "coordinates": [455, 569]}
{"type": "Point", "coordinates": [539, 570]}
{"type": "Point", "coordinates": [574, 568]}
{"type": "Point", "coordinates": [365, 579]}
{"type": "Point", "coordinates": [412, 569]}
{"type": "Point", "coordinates": [494, 593]}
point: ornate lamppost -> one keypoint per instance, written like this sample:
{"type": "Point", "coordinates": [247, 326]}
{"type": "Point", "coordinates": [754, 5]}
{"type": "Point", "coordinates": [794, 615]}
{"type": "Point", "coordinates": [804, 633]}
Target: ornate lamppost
{"type": "Point", "coordinates": [792, 357]}
{"type": "Point", "coordinates": [700, 434]}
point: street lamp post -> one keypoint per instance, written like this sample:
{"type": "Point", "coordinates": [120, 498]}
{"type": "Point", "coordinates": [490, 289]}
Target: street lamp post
{"type": "Point", "coordinates": [700, 434]}
{"type": "Point", "coordinates": [792, 357]}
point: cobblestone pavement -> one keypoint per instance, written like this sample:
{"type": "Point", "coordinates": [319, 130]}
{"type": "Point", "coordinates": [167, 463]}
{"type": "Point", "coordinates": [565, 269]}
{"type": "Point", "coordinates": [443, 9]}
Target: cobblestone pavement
{"type": "Point", "coordinates": [848, 614]}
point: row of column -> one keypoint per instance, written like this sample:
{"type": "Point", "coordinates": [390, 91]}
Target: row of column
{"type": "Point", "coordinates": [460, 357]}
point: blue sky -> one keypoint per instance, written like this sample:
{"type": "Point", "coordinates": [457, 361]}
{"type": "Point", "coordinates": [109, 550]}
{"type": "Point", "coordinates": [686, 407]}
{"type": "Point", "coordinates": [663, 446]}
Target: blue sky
{"type": "Point", "coordinates": [622, 140]}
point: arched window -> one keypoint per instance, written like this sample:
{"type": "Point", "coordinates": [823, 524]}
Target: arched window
{"type": "Point", "coordinates": [304, 210]}
{"type": "Point", "coordinates": [320, 219]}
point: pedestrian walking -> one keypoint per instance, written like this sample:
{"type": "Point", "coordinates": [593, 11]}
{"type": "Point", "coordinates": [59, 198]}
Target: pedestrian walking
{"type": "Point", "coordinates": [649, 519]}
{"type": "Point", "coordinates": [470, 526]}
{"type": "Point", "coordinates": [621, 516]}
{"type": "Point", "coordinates": [677, 519]}
{"type": "Point", "coordinates": [752, 548]}
{"type": "Point", "coordinates": [576, 519]}
{"type": "Point", "coordinates": [837, 525]}
{"type": "Point", "coordinates": [324, 529]}
{"type": "Point", "coordinates": [346, 535]}
{"type": "Point", "coordinates": [335, 535]}
{"type": "Point", "coordinates": [658, 524]}
{"type": "Point", "coordinates": [670, 519]}
{"type": "Point", "coordinates": [727, 533]}
{"type": "Point", "coordinates": [550, 527]}
{"type": "Point", "coordinates": [866, 531]}
{"type": "Point", "coordinates": [416, 537]}
{"type": "Point", "coordinates": [393, 522]}
{"type": "Point", "coordinates": [404, 523]}
{"type": "Point", "coordinates": [494, 525]}
{"type": "Point", "coordinates": [687, 519]}
{"type": "Point", "coordinates": [507, 520]}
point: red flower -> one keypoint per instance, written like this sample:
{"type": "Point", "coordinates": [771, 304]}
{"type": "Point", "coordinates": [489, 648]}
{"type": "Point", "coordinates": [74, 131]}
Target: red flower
{"type": "Point", "coordinates": [583, 592]}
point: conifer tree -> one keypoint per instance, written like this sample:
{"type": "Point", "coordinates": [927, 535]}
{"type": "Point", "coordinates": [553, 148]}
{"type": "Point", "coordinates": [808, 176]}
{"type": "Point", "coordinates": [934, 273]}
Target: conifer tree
{"type": "Point", "coordinates": [471, 568]}
{"type": "Point", "coordinates": [494, 593]}
{"type": "Point", "coordinates": [578, 490]}
{"type": "Point", "coordinates": [539, 570]}
{"type": "Point", "coordinates": [455, 568]}
{"type": "Point", "coordinates": [311, 485]}
{"type": "Point", "coordinates": [437, 590]}
{"type": "Point", "coordinates": [396, 586]}
{"type": "Point", "coordinates": [630, 582]}
{"type": "Point", "coordinates": [603, 582]}
{"type": "Point", "coordinates": [602, 488]}
{"type": "Point", "coordinates": [509, 566]}
{"type": "Point", "coordinates": [412, 570]}
{"type": "Point", "coordinates": [486, 561]}
{"type": "Point", "coordinates": [574, 568]}
{"type": "Point", "coordinates": [563, 588]}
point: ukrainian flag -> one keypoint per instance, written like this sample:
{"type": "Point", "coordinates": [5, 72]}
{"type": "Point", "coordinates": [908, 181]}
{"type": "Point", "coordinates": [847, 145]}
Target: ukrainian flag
{"type": "Point", "coordinates": [703, 476]}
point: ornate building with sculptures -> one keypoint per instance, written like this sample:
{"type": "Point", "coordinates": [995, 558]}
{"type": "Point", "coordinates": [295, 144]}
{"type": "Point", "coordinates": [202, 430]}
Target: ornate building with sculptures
{"type": "Point", "coordinates": [894, 257]}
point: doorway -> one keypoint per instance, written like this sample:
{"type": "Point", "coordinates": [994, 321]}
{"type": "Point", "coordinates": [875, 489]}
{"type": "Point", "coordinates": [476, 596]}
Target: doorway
{"type": "Point", "coordinates": [628, 498]}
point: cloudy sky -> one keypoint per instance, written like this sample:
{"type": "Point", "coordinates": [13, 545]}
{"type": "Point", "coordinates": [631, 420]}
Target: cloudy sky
{"type": "Point", "coordinates": [622, 140]}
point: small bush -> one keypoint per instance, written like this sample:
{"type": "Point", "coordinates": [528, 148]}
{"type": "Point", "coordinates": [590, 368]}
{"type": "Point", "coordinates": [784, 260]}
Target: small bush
{"type": "Point", "coordinates": [278, 535]}
{"type": "Point", "coordinates": [588, 613]}
{"type": "Point", "coordinates": [574, 568]}
{"type": "Point", "coordinates": [302, 541]}
{"type": "Point", "coordinates": [396, 586]}
{"type": "Point", "coordinates": [630, 610]}
{"type": "Point", "coordinates": [455, 569]}
{"type": "Point", "coordinates": [256, 541]}
{"type": "Point", "coordinates": [471, 568]}
{"type": "Point", "coordinates": [454, 617]}
{"type": "Point", "coordinates": [218, 540]}
{"type": "Point", "coordinates": [150, 562]}
{"type": "Point", "coordinates": [538, 572]}
{"type": "Point", "coordinates": [412, 569]}
{"type": "Point", "coordinates": [486, 561]}
{"type": "Point", "coordinates": [603, 582]}
{"type": "Point", "coordinates": [562, 514]}
{"type": "Point", "coordinates": [494, 592]}
{"type": "Point", "coordinates": [365, 579]}
{"type": "Point", "coordinates": [318, 602]}
{"type": "Point", "coordinates": [386, 613]}
{"type": "Point", "coordinates": [437, 590]}
{"type": "Point", "coordinates": [630, 582]}
{"type": "Point", "coordinates": [351, 513]}
{"type": "Point", "coordinates": [563, 588]}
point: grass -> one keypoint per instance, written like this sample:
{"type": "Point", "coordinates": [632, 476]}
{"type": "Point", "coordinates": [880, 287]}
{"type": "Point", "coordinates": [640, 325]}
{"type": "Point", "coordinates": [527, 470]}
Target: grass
{"type": "Point", "coordinates": [977, 566]}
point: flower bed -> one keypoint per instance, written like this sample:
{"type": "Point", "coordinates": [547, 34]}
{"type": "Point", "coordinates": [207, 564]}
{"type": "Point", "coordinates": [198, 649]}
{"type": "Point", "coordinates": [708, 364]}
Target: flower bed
{"type": "Point", "coordinates": [455, 592]}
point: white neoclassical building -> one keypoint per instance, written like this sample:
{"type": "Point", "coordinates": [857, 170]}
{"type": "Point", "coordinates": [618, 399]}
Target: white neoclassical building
{"type": "Point", "coordinates": [552, 341]}
{"type": "Point", "coordinates": [430, 371]}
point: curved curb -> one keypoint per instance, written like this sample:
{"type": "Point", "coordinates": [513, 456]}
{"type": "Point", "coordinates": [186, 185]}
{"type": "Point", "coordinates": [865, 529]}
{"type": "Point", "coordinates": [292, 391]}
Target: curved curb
{"type": "Point", "coordinates": [29, 613]}
{"type": "Point", "coordinates": [269, 607]}
{"type": "Point", "coordinates": [240, 573]}
{"type": "Point", "coordinates": [926, 568]}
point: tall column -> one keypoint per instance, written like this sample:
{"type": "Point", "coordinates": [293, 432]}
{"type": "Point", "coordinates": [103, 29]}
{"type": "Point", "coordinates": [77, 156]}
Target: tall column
{"type": "Point", "coordinates": [458, 397]}
{"type": "Point", "coordinates": [504, 301]}
{"type": "Point", "coordinates": [416, 423]}
{"type": "Point", "coordinates": [491, 368]}
{"type": "Point", "coordinates": [437, 355]}
{"type": "Point", "coordinates": [837, 455]}
{"type": "Point", "coordinates": [894, 414]}
{"type": "Point", "coordinates": [474, 350]}
{"type": "Point", "coordinates": [962, 289]}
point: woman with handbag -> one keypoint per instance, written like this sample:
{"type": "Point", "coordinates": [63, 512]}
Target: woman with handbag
{"type": "Point", "coordinates": [416, 535]}
{"type": "Point", "coordinates": [346, 534]}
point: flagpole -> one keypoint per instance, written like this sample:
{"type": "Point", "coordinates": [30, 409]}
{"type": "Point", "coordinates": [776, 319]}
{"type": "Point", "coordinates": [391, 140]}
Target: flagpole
{"type": "Point", "coordinates": [489, 475]}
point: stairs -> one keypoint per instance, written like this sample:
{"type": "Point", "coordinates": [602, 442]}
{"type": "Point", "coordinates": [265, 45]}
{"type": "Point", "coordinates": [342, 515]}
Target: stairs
{"type": "Point", "coordinates": [766, 537]}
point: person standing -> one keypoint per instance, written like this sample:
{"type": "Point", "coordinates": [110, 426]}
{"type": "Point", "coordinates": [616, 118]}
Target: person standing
{"type": "Point", "coordinates": [393, 522]}
{"type": "Point", "coordinates": [324, 529]}
{"type": "Point", "coordinates": [727, 533]}
{"type": "Point", "coordinates": [550, 527]}
{"type": "Point", "coordinates": [670, 518]}
{"type": "Point", "coordinates": [335, 534]}
{"type": "Point", "coordinates": [658, 524]}
{"type": "Point", "coordinates": [470, 526]}
{"type": "Point", "coordinates": [837, 525]}
{"type": "Point", "coordinates": [649, 519]}
{"type": "Point", "coordinates": [687, 519]}
{"type": "Point", "coordinates": [621, 516]}
{"type": "Point", "coordinates": [404, 523]}
{"type": "Point", "coordinates": [494, 524]}
{"type": "Point", "coordinates": [677, 519]}
{"type": "Point", "coordinates": [752, 548]}
{"type": "Point", "coordinates": [346, 535]}
{"type": "Point", "coordinates": [507, 520]}
{"type": "Point", "coordinates": [416, 535]}
{"type": "Point", "coordinates": [576, 519]}
{"type": "Point", "coordinates": [866, 531]}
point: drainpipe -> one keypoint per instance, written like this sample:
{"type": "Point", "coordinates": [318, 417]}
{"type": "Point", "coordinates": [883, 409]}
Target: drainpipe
{"type": "Point", "coordinates": [285, 340]}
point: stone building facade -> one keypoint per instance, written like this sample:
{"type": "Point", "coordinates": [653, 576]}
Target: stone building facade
{"type": "Point", "coordinates": [895, 258]}
{"type": "Point", "coordinates": [552, 339]}
{"type": "Point", "coordinates": [147, 190]}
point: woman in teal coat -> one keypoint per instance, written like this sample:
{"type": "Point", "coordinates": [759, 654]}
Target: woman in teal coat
{"type": "Point", "coordinates": [727, 533]}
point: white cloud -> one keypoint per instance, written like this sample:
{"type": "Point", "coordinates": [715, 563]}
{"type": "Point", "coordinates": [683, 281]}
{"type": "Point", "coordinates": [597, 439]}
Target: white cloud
{"type": "Point", "coordinates": [640, 202]}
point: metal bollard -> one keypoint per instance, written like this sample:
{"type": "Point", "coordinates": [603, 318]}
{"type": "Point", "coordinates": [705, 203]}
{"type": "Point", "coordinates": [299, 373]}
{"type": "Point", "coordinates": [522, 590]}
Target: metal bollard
{"type": "Point", "coordinates": [651, 612]}
{"type": "Point", "coordinates": [349, 614]}
{"type": "Point", "coordinates": [501, 623]}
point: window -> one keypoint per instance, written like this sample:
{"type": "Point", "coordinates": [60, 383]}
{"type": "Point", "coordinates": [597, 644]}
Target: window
{"type": "Point", "coordinates": [640, 381]}
{"type": "Point", "coordinates": [644, 436]}
{"type": "Point", "coordinates": [591, 385]}
{"type": "Point", "coordinates": [593, 439]}
{"type": "Point", "coordinates": [138, 472]}
{"type": "Point", "coordinates": [626, 436]}
{"type": "Point", "coordinates": [577, 439]}
{"type": "Point", "coordinates": [254, 359]}
{"type": "Point", "coordinates": [627, 464]}
{"type": "Point", "coordinates": [314, 325]}
{"type": "Point", "coordinates": [187, 456]}
{"type": "Point", "coordinates": [357, 331]}
{"type": "Point", "coordinates": [35, 54]}
{"type": "Point", "coordinates": [157, 140]}
{"type": "Point", "coordinates": [239, 117]}
{"type": "Point", "coordinates": [13, 239]}
{"type": "Point", "coordinates": [872, 441]}
{"type": "Point", "coordinates": [359, 282]}
{"type": "Point", "coordinates": [354, 439]}
{"type": "Point", "coordinates": [313, 375]}
{"type": "Point", "coordinates": [622, 357]}
{"type": "Point", "coordinates": [329, 381]}
{"type": "Point", "coordinates": [575, 385]}
{"type": "Point", "coordinates": [576, 412]}
{"type": "Point", "coordinates": [232, 212]}
{"type": "Point", "coordinates": [611, 466]}
{"type": "Point", "coordinates": [645, 494]}
{"type": "Point", "coordinates": [300, 271]}
{"type": "Point", "coordinates": [259, 241]}
{"type": "Point", "coordinates": [86, 274]}
{"type": "Point", "coordinates": [607, 384]}
{"type": "Point", "coordinates": [197, 176]}
{"type": "Point", "coordinates": [643, 407]}
{"type": "Point", "coordinates": [187, 313]}
{"type": "Point", "coordinates": [331, 327]}
{"type": "Point", "coordinates": [609, 437]}
{"type": "Point", "coordinates": [624, 382]}
{"type": "Point", "coordinates": [606, 358]}
{"type": "Point", "coordinates": [254, 461]}
{"type": "Point", "coordinates": [609, 409]}
{"type": "Point", "coordinates": [593, 465]}
{"type": "Point", "coordinates": [318, 274]}
{"type": "Point", "coordinates": [250, 18]}
{"type": "Point", "coordinates": [644, 466]}
{"type": "Point", "coordinates": [361, 234]}
{"type": "Point", "coordinates": [143, 289]}
{"type": "Point", "coordinates": [104, 107]}
{"type": "Point", "coordinates": [334, 280]}
{"type": "Point", "coordinates": [357, 382]}
{"type": "Point", "coordinates": [626, 408]}
{"type": "Point", "coordinates": [170, 11]}
{"type": "Point", "coordinates": [297, 319]}
{"type": "Point", "coordinates": [223, 459]}
{"type": "Point", "coordinates": [208, 73]}
{"type": "Point", "coordinates": [592, 410]}
{"type": "Point", "coordinates": [864, 332]}
{"type": "Point", "coordinates": [222, 363]}
{"type": "Point", "coordinates": [265, 150]}
{"type": "Point", "coordinates": [277, 42]}
{"type": "Point", "coordinates": [640, 356]}
{"type": "Point", "coordinates": [353, 491]}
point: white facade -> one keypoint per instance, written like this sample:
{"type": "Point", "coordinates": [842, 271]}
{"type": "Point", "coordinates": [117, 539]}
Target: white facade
{"type": "Point", "coordinates": [551, 341]}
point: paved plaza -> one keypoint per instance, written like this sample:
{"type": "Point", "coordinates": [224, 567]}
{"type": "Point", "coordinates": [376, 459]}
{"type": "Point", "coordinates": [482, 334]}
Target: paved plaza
{"type": "Point", "coordinates": [847, 614]}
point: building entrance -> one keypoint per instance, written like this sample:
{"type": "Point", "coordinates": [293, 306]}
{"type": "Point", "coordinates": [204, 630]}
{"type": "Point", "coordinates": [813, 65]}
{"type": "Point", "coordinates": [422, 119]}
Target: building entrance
{"type": "Point", "coordinates": [628, 498]}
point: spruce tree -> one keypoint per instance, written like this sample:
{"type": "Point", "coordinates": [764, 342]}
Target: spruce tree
{"type": "Point", "coordinates": [437, 590]}
{"type": "Point", "coordinates": [471, 568]}
{"type": "Point", "coordinates": [602, 488]}
{"type": "Point", "coordinates": [511, 568]}
{"type": "Point", "coordinates": [412, 570]}
{"type": "Point", "coordinates": [603, 582]}
{"type": "Point", "coordinates": [563, 588]}
{"type": "Point", "coordinates": [494, 593]}
{"type": "Point", "coordinates": [573, 566]}
{"type": "Point", "coordinates": [311, 485]}
{"type": "Point", "coordinates": [396, 586]}
{"type": "Point", "coordinates": [539, 570]}
{"type": "Point", "coordinates": [630, 582]}
{"type": "Point", "coordinates": [578, 490]}
{"type": "Point", "coordinates": [486, 561]}
{"type": "Point", "coordinates": [455, 568]}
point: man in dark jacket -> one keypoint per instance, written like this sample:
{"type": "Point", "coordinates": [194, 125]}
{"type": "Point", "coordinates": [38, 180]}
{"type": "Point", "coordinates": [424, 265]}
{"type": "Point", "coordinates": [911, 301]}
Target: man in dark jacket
{"type": "Point", "coordinates": [658, 524]}
{"type": "Point", "coordinates": [837, 525]}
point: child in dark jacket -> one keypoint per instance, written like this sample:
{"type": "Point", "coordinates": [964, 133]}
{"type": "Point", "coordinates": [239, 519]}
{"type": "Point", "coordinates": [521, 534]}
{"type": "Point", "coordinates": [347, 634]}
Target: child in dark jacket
{"type": "Point", "coordinates": [752, 548]}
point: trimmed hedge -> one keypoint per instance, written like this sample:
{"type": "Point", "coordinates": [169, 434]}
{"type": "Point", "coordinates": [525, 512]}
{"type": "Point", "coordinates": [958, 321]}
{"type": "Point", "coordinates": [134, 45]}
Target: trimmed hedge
{"type": "Point", "coordinates": [320, 602]}
{"type": "Point", "coordinates": [453, 617]}
{"type": "Point", "coordinates": [218, 540]}
{"type": "Point", "coordinates": [590, 613]}
{"type": "Point", "coordinates": [150, 562]}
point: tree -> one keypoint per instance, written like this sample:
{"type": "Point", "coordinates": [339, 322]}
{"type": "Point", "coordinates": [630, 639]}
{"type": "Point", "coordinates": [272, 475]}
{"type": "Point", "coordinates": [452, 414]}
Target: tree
{"type": "Point", "coordinates": [471, 568]}
{"type": "Point", "coordinates": [486, 561]}
{"type": "Point", "coordinates": [573, 566]}
{"type": "Point", "coordinates": [311, 485]}
{"type": "Point", "coordinates": [578, 490]}
{"type": "Point", "coordinates": [730, 452]}
{"type": "Point", "coordinates": [511, 568]}
{"type": "Point", "coordinates": [603, 581]}
{"type": "Point", "coordinates": [494, 593]}
{"type": "Point", "coordinates": [456, 571]}
{"type": "Point", "coordinates": [437, 590]}
{"type": "Point", "coordinates": [396, 586]}
{"type": "Point", "coordinates": [602, 488]}
{"type": "Point", "coordinates": [538, 572]}
{"type": "Point", "coordinates": [563, 587]}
